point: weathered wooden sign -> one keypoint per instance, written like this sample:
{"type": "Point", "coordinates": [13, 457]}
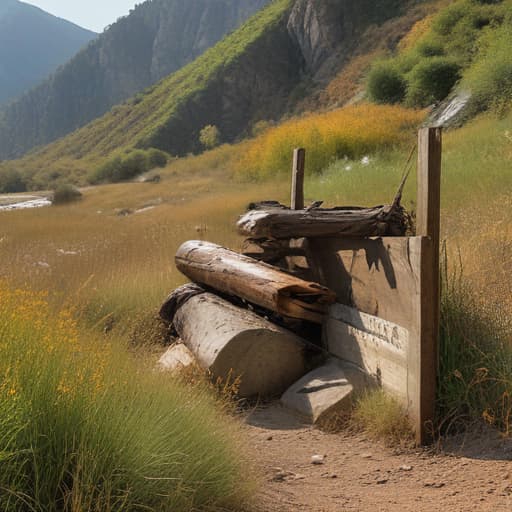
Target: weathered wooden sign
{"type": "Point", "coordinates": [387, 317]}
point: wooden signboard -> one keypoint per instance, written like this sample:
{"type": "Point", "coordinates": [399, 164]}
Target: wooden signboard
{"type": "Point", "coordinates": [387, 317]}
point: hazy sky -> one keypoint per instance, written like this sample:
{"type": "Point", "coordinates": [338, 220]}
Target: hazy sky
{"type": "Point", "coordinates": [92, 14]}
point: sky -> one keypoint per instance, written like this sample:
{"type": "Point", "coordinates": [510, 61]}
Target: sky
{"type": "Point", "coordinates": [92, 14]}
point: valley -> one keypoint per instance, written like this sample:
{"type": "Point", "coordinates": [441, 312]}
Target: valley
{"type": "Point", "coordinates": [178, 153]}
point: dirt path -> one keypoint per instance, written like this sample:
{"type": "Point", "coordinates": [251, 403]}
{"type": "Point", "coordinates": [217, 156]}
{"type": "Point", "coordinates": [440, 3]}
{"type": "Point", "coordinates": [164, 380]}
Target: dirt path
{"type": "Point", "coordinates": [360, 475]}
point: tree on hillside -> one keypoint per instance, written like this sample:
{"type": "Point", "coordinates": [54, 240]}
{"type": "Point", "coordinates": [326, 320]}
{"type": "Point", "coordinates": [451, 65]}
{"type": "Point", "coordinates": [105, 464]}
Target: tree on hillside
{"type": "Point", "coordinates": [209, 136]}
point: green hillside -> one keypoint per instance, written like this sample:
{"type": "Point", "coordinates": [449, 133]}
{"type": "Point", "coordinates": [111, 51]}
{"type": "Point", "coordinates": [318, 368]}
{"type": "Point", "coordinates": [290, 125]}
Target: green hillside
{"type": "Point", "coordinates": [159, 117]}
{"type": "Point", "coordinates": [157, 38]}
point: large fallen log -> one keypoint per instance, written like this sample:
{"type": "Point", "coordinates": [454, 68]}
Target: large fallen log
{"type": "Point", "coordinates": [230, 341]}
{"type": "Point", "coordinates": [278, 223]}
{"type": "Point", "coordinates": [253, 281]}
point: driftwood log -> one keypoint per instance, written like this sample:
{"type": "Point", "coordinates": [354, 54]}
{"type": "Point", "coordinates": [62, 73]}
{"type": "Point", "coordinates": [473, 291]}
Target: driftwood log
{"type": "Point", "coordinates": [270, 251]}
{"type": "Point", "coordinates": [230, 341]}
{"type": "Point", "coordinates": [256, 282]}
{"type": "Point", "coordinates": [279, 223]}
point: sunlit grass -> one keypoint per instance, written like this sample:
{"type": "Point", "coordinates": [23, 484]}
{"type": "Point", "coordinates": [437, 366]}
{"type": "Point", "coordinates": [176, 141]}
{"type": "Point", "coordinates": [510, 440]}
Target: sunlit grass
{"type": "Point", "coordinates": [83, 426]}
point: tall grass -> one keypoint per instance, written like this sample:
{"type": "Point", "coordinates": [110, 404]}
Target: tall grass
{"type": "Point", "coordinates": [352, 132]}
{"type": "Point", "coordinates": [475, 373]}
{"type": "Point", "coordinates": [84, 428]}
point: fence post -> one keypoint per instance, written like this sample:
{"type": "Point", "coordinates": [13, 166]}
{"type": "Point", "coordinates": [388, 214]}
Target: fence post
{"type": "Point", "coordinates": [428, 226]}
{"type": "Point", "coordinates": [299, 164]}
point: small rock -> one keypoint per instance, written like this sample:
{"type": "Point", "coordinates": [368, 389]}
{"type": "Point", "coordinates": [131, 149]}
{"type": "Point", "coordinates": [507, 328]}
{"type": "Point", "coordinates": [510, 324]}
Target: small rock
{"type": "Point", "coordinates": [318, 459]}
{"type": "Point", "coordinates": [382, 481]}
{"type": "Point", "coordinates": [405, 468]}
{"type": "Point", "coordinates": [434, 485]}
{"type": "Point", "coordinates": [366, 455]}
{"type": "Point", "coordinates": [270, 438]}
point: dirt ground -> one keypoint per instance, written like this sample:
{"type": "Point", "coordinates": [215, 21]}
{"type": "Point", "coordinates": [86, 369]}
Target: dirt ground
{"type": "Point", "coordinates": [473, 473]}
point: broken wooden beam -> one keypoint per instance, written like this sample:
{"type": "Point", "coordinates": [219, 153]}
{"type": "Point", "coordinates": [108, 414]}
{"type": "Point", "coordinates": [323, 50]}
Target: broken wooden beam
{"type": "Point", "coordinates": [233, 342]}
{"type": "Point", "coordinates": [270, 251]}
{"type": "Point", "coordinates": [387, 220]}
{"type": "Point", "coordinates": [258, 283]}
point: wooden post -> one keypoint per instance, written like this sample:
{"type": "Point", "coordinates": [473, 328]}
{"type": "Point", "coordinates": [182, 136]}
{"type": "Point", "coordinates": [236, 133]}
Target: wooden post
{"type": "Point", "coordinates": [299, 164]}
{"type": "Point", "coordinates": [428, 226]}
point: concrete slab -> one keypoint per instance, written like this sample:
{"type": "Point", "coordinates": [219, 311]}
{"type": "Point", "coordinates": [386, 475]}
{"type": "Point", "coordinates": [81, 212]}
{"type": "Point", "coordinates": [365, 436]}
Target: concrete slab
{"type": "Point", "coordinates": [324, 392]}
{"type": "Point", "coordinates": [177, 357]}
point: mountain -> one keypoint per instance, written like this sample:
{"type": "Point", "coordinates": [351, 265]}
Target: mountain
{"type": "Point", "coordinates": [157, 38]}
{"type": "Point", "coordinates": [33, 44]}
{"type": "Point", "coordinates": [262, 71]}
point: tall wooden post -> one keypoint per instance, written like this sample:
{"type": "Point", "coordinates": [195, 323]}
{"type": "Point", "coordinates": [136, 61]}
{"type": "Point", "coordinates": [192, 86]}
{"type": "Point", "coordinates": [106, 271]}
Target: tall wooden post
{"type": "Point", "coordinates": [428, 226]}
{"type": "Point", "coordinates": [299, 165]}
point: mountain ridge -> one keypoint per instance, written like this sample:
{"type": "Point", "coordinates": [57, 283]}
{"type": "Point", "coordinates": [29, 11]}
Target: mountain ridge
{"type": "Point", "coordinates": [154, 40]}
{"type": "Point", "coordinates": [33, 44]}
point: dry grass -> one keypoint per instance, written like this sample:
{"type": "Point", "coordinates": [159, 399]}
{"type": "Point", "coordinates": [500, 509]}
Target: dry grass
{"type": "Point", "coordinates": [120, 266]}
{"type": "Point", "coordinates": [382, 417]}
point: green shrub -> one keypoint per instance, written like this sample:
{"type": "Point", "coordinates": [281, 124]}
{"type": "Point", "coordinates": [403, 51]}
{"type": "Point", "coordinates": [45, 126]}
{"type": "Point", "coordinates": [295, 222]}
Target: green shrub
{"type": "Point", "coordinates": [490, 78]}
{"type": "Point", "coordinates": [430, 48]}
{"type": "Point", "coordinates": [449, 17]}
{"type": "Point", "coordinates": [386, 84]}
{"type": "Point", "coordinates": [123, 169]}
{"type": "Point", "coordinates": [106, 172]}
{"type": "Point", "coordinates": [431, 81]}
{"type": "Point", "coordinates": [209, 137]}
{"type": "Point", "coordinates": [157, 158]}
{"type": "Point", "coordinates": [64, 194]}
{"type": "Point", "coordinates": [135, 163]}
{"type": "Point", "coordinates": [11, 181]}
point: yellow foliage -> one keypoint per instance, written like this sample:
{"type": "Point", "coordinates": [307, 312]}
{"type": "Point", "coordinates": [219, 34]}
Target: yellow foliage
{"type": "Point", "coordinates": [31, 336]}
{"type": "Point", "coordinates": [352, 132]}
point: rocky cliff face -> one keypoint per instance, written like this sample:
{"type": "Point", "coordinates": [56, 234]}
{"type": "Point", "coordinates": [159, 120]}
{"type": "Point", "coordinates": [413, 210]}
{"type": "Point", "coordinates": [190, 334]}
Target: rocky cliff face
{"type": "Point", "coordinates": [156, 39]}
{"type": "Point", "coordinates": [310, 45]}
{"type": "Point", "coordinates": [327, 31]}
{"type": "Point", "coordinates": [292, 53]}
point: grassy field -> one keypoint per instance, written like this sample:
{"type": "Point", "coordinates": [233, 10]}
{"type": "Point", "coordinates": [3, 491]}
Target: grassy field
{"type": "Point", "coordinates": [108, 259]}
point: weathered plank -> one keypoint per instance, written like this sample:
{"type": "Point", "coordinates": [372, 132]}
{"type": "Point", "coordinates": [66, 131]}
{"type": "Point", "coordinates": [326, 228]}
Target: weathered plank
{"type": "Point", "coordinates": [256, 282]}
{"type": "Point", "coordinates": [298, 171]}
{"type": "Point", "coordinates": [270, 251]}
{"type": "Point", "coordinates": [392, 279]}
{"type": "Point", "coordinates": [388, 220]}
{"type": "Point", "coordinates": [379, 347]}
{"type": "Point", "coordinates": [377, 276]}
{"type": "Point", "coordinates": [428, 226]}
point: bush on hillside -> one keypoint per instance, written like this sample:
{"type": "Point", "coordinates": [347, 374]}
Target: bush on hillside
{"type": "Point", "coordinates": [490, 79]}
{"type": "Point", "coordinates": [11, 181]}
{"type": "Point", "coordinates": [157, 158]}
{"type": "Point", "coordinates": [430, 48]}
{"type": "Point", "coordinates": [106, 172]}
{"type": "Point", "coordinates": [431, 81]}
{"type": "Point", "coordinates": [120, 169]}
{"type": "Point", "coordinates": [209, 136]}
{"type": "Point", "coordinates": [386, 84]}
{"type": "Point", "coordinates": [65, 194]}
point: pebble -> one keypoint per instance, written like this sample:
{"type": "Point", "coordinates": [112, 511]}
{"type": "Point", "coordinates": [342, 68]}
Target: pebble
{"type": "Point", "coordinates": [405, 468]}
{"type": "Point", "coordinates": [318, 459]}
